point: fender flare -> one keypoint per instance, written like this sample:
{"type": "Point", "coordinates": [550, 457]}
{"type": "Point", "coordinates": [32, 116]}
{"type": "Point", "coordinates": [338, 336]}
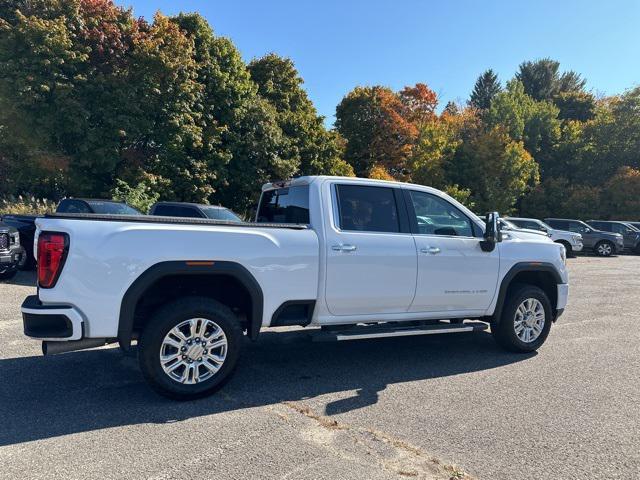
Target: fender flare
{"type": "Point", "coordinates": [515, 270]}
{"type": "Point", "coordinates": [187, 267]}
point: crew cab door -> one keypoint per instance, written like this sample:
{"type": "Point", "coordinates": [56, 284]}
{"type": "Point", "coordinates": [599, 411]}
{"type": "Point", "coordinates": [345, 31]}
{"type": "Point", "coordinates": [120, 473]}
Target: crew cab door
{"type": "Point", "coordinates": [371, 257]}
{"type": "Point", "coordinates": [454, 274]}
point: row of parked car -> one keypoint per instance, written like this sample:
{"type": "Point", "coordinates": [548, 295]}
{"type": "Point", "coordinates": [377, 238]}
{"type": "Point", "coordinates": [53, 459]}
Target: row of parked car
{"type": "Point", "coordinates": [17, 231]}
{"type": "Point", "coordinates": [602, 237]}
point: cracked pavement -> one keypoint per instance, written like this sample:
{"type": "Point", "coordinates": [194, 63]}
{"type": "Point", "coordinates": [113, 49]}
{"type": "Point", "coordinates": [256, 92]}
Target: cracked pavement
{"type": "Point", "coordinates": [375, 409]}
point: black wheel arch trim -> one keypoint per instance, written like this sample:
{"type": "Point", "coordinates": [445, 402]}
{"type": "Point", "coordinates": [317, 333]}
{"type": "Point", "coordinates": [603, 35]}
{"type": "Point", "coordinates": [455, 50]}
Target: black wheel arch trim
{"type": "Point", "coordinates": [515, 270]}
{"type": "Point", "coordinates": [187, 267]}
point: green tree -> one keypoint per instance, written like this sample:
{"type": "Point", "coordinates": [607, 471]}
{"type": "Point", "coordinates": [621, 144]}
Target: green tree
{"type": "Point", "coordinates": [497, 169]}
{"type": "Point", "coordinates": [260, 154]}
{"type": "Point", "coordinates": [534, 123]}
{"type": "Point", "coordinates": [542, 79]}
{"type": "Point", "coordinates": [63, 88]}
{"type": "Point", "coordinates": [613, 136]}
{"type": "Point", "coordinates": [486, 87]}
{"type": "Point", "coordinates": [620, 197]}
{"type": "Point", "coordinates": [434, 147]}
{"type": "Point", "coordinates": [579, 106]}
{"type": "Point", "coordinates": [318, 150]}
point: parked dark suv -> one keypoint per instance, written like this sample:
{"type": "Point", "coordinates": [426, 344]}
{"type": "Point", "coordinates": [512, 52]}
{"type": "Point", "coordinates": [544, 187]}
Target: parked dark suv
{"type": "Point", "coordinates": [193, 210]}
{"type": "Point", "coordinates": [630, 234]}
{"type": "Point", "coordinates": [634, 224]}
{"type": "Point", "coordinates": [603, 244]}
{"type": "Point", "coordinates": [26, 224]}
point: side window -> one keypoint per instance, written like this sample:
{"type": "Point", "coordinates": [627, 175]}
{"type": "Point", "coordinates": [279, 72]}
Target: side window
{"type": "Point", "coordinates": [176, 211]}
{"type": "Point", "coordinates": [529, 224]}
{"type": "Point", "coordinates": [537, 226]}
{"type": "Point", "coordinates": [367, 209]}
{"type": "Point", "coordinates": [617, 228]}
{"type": "Point", "coordinates": [559, 224]}
{"type": "Point", "coordinates": [73, 206]}
{"type": "Point", "coordinates": [577, 227]}
{"type": "Point", "coordinates": [436, 216]}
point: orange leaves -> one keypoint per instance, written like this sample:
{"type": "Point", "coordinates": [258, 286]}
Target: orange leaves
{"type": "Point", "coordinates": [419, 102]}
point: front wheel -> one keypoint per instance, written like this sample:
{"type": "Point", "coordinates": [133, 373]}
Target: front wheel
{"type": "Point", "coordinates": [604, 248]}
{"type": "Point", "coordinates": [190, 348]}
{"type": "Point", "coordinates": [525, 321]}
{"type": "Point", "coordinates": [567, 247]}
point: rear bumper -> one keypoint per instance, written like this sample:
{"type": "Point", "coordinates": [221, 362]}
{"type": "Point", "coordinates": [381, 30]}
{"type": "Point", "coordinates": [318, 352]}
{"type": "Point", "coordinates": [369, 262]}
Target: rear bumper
{"type": "Point", "coordinates": [563, 296]}
{"type": "Point", "coordinates": [50, 322]}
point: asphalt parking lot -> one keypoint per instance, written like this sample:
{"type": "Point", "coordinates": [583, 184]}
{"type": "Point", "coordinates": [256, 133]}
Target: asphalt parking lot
{"type": "Point", "coordinates": [394, 408]}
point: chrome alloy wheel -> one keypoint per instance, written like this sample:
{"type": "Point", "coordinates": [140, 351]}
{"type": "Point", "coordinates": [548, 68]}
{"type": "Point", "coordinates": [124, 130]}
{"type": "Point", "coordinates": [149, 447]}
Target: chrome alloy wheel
{"type": "Point", "coordinates": [529, 320]}
{"type": "Point", "coordinates": [604, 249]}
{"type": "Point", "coordinates": [193, 351]}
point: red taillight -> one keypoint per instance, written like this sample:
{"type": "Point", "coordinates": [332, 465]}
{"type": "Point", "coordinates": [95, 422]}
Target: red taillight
{"type": "Point", "coordinates": [52, 253]}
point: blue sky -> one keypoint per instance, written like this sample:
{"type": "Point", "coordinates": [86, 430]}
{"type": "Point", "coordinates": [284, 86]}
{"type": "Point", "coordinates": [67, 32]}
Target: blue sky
{"type": "Point", "coordinates": [337, 45]}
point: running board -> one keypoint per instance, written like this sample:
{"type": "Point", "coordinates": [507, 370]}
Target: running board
{"type": "Point", "coordinates": [384, 331]}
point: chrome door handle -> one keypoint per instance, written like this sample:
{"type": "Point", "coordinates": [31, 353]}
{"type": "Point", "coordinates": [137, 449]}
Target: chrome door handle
{"type": "Point", "coordinates": [430, 250]}
{"type": "Point", "coordinates": [344, 247]}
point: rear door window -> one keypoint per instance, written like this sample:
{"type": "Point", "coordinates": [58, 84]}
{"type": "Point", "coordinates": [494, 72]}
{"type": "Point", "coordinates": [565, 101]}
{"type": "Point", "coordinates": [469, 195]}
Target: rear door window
{"type": "Point", "coordinates": [559, 224]}
{"type": "Point", "coordinates": [367, 209]}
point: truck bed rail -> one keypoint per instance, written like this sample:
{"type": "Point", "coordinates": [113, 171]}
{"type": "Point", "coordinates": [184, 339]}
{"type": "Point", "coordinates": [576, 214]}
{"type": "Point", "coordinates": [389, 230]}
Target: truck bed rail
{"type": "Point", "coordinates": [170, 220]}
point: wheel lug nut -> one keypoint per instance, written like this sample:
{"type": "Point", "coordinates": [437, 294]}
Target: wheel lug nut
{"type": "Point", "coordinates": [197, 339]}
{"type": "Point", "coordinates": [205, 352]}
{"type": "Point", "coordinates": [199, 359]}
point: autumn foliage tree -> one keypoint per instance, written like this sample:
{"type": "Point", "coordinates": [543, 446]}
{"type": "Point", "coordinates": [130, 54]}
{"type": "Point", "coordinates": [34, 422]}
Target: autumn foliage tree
{"type": "Point", "coordinates": [94, 100]}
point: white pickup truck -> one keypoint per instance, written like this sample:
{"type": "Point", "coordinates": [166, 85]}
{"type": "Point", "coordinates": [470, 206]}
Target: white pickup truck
{"type": "Point", "coordinates": [359, 258]}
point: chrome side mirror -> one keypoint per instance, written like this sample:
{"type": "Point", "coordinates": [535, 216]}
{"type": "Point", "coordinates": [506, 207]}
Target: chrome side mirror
{"type": "Point", "coordinates": [492, 233]}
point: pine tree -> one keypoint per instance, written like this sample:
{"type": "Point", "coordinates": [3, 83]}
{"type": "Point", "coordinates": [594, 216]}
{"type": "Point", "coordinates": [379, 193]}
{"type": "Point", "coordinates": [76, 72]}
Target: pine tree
{"type": "Point", "coordinates": [485, 88]}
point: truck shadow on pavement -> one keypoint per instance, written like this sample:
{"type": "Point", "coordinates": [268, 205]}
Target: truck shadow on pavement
{"type": "Point", "coordinates": [25, 278]}
{"type": "Point", "coordinates": [43, 397]}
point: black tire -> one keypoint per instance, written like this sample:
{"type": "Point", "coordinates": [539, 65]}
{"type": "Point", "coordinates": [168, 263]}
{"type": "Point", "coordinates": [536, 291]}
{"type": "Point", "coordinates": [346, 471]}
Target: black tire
{"type": "Point", "coordinates": [8, 275]}
{"type": "Point", "coordinates": [604, 252]}
{"type": "Point", "coordinates": [171, 315]}
{"type": "Point", "coordinates": [567, 247]}
{"type": "Point", "coordinates": [504, 332]}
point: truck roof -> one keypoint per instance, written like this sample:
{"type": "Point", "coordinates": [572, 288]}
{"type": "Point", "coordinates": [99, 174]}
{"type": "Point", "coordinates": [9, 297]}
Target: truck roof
{"type": "Point", "coordinates": [309, 179]}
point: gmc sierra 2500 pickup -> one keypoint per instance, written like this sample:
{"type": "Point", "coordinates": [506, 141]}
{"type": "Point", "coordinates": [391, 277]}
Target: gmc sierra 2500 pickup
{"type": "Point", "coordinates": [360, 258]}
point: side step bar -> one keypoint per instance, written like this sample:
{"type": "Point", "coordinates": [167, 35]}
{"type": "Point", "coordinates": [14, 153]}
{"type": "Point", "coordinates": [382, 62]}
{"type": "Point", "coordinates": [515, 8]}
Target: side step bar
{"type": "Point", "coordinates": [384, 331]}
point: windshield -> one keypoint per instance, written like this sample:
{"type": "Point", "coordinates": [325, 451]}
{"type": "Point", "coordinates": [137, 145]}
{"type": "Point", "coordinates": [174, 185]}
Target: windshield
{"type": "Point", "coordinates": [508, 224]}
{"type": "Point", "coordinates": [633, 228]}
{"type": "Point", "coordinates": [112, 208]}
{"type": "Point", "coordinates": [220, 213]}
{"type": "Point", "coordinates": [548, 227]}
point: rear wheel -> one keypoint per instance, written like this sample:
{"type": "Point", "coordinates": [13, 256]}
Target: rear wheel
{"type": "Point", "coordinates": [604, 248]}
{"type": "Point", "coordinates": [190, 348]}
{"type": "Point", "coordinates": [525, 321]}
